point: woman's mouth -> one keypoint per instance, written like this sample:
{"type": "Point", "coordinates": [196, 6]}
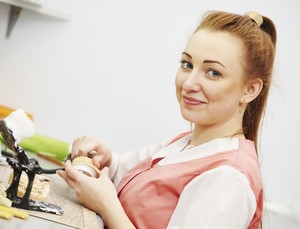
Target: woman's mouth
{"type": "Point", "coordinates": [191, 101]}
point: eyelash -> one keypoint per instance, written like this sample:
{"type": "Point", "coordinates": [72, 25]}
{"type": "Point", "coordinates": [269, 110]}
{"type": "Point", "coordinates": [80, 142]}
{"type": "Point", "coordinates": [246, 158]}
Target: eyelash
{"type": "Point", "coordinates": [215, 71]}
{"type": "Point", "coordinates": [184, 62]}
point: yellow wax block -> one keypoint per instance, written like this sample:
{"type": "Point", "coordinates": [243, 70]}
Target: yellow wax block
{"type": "Point", "coordinates": [14, 212]}
{"type": "Point", "coordinates": [5, 215]}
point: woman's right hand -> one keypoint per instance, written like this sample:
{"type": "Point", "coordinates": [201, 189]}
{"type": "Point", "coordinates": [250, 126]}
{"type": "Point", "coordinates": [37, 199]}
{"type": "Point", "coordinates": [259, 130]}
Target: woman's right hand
{"type": "Point", "coordinates": [83, 145]}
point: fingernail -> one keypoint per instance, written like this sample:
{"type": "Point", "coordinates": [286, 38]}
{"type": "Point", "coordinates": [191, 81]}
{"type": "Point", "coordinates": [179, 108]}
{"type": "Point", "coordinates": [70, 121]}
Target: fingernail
{"type": "Point", "coordinates": [92, 154]}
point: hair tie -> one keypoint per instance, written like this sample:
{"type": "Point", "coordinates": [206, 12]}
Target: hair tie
{"type": "Point", "coordinates": [256, 17]}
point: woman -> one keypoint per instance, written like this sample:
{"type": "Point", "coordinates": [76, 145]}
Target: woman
{"type": "Point", "coordinates": [206, 178]}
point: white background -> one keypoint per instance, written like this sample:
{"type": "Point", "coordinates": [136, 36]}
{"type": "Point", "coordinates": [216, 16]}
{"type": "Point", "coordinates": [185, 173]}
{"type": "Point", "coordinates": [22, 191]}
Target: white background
{"type": "Point", "coordinates": [110, 71]}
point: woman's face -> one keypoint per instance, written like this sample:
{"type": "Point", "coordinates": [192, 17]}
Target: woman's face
{"type": "Point", "coordinates": [209, 82]}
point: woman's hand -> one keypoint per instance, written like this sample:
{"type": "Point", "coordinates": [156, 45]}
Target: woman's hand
{"type": "Point", "coordinates": [85, 144]}
{"type": "Point", "coordinates": [96, 194]}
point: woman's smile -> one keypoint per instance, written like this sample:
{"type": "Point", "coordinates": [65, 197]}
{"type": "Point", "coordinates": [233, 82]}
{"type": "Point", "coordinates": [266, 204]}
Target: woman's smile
{"type": "Point", "coordinates": [192, 101]}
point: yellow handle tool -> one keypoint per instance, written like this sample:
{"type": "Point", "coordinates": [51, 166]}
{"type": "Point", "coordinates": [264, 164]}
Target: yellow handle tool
{"type": "Point", "coordinates": [5, 215]}
{"type": "Point", "coordinates": [14, 212]}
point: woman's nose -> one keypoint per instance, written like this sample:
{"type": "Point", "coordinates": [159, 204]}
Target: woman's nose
{"type": "Point", "coordinates": [192, 82]}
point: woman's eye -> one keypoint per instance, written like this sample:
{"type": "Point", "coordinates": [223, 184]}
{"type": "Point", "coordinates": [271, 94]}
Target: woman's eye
{"type": "Point", "coordinates": [214, 74]}
{"type": "Point", "coordinates": [186, 65]}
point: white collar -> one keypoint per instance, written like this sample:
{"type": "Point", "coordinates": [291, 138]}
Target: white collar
{"type": "Point", "coordinates": [173, 153]}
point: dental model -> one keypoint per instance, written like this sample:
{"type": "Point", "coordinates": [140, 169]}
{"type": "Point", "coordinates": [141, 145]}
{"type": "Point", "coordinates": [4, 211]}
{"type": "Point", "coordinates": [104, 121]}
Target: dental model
{"type": "Point", "coordinates": [14, 128]}
{"type": "Point", "coordinates": [85, 165]}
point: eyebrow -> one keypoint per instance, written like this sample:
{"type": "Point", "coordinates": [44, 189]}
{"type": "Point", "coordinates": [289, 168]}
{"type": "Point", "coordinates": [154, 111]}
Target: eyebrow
{"type": "Point", "coordinates": [213, 61]}
{"type": "Point", "coordinates": [205, 61]}
{"type": "Point", "coordinates": [184, 53]}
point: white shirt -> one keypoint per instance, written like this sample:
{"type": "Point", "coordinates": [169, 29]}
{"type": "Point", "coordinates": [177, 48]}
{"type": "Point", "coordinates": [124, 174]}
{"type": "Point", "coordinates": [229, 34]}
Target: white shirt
{"type": "Point", "coordinates": [218, 198]}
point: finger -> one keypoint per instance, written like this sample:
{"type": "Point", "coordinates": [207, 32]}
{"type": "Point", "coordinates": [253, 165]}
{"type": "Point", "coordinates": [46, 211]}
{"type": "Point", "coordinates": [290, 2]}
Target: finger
{"type": "Point", "coordinates": [61, 173]}
{"type": "Point", "coordinates": [85, 148]}
{"type": "Point", "coordinates": [71, 172]}
{"type": "Point", "coordinates": [79, 145]}
{"type": "Point", "coordinates": [98, 160]}
{"type": "Point", "coordinates": [104, 172]}
{"type": "Point", "coordinates": [65, 177]}
{"type": "Point", "coordinates": [74, 150]}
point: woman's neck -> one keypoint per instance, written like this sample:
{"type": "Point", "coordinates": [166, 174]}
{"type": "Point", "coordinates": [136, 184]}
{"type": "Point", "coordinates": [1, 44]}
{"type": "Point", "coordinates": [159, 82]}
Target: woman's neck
{"type": "Point", "coordinates": [202, 135]}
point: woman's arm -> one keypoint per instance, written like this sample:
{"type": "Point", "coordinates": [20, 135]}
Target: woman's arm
{"type": "Point", "coordinates": [119, 164]}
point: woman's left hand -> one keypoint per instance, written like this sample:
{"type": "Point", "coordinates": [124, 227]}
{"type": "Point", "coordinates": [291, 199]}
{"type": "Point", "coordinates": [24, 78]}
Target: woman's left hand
{"type": "Point", "coordinates": [96, 194]}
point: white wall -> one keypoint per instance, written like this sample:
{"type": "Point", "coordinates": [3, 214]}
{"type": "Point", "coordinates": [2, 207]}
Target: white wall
{"type": "Point", "coordinates": [110, 71]}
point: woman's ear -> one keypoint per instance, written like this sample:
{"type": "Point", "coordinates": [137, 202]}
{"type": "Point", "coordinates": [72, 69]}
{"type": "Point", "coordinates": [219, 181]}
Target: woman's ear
{"type": "Point", "coordinates": [252, 90]}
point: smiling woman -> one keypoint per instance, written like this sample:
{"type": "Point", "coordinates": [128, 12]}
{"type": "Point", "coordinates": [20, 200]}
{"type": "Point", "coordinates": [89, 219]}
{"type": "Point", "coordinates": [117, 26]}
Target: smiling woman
{"type": "Point", "coordinates": [211, 88]}
{"type": "Point", "coordinates": [208, 177]}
